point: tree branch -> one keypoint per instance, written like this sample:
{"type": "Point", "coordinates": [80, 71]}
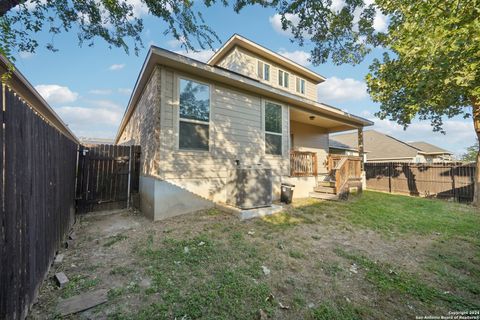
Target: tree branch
{"type": "Point", "coordinates": [6, 5]}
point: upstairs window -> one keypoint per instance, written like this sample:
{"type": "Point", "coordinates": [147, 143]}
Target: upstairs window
{"type": "Point", "coordinates": [263, 71]}
{"type": "Point", "coordinates": [273, 128]}
{"type": "Point", "coordinates": [194, 115]}
{"type": "Point", "coordinates": [300, 85]}
{"type": "Point", "coordinates": [283, 78]}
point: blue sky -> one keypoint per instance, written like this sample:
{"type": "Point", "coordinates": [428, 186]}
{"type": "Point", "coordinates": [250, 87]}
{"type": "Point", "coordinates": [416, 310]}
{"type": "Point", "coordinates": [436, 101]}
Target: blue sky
{"type": "Point", "coordinates": [90, 86]}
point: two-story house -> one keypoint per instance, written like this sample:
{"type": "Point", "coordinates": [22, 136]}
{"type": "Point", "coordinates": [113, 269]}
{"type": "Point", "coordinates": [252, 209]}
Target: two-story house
{"type": "Point", "coordinates": [247, 107]}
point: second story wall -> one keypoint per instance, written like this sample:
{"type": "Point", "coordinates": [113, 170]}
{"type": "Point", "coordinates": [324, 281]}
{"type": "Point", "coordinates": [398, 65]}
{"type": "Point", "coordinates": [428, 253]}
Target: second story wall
{"type": "Point", "coordinates": [244, 62]}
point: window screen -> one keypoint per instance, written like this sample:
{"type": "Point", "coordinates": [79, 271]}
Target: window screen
{"type": "Point", "coordinates": [194, 103]}
{"type": "Point", "coordinates": [273, 128]}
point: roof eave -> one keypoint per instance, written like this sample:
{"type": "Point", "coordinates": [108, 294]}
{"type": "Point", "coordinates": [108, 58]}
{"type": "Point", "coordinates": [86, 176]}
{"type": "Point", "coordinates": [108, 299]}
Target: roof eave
{"type": "Point", "coordinates": [237, 40]}
{"type": "Point", "coordinates": [158, 56]}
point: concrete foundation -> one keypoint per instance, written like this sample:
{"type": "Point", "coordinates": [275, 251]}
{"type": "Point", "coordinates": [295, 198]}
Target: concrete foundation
{"type": "Point", "coordinates": [160, 199]}
{"type": "Point", "coordinates": [303, 185]}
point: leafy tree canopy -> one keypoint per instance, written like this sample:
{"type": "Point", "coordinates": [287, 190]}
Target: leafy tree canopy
{"type": "Point", "coordinates": [471, 153]}
{"type": "Point", "coordinates": [430, 65]}
{"type": "Point", "coordinates": [114, 21]}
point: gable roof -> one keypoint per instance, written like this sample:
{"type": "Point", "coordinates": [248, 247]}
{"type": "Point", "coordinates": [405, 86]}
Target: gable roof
{"type": "Point", "coordinates": [377, 144]}
{"type": "Point", "coordinates": [158, 56]}
{"type": "Point", "coordinates": [428, 148]}
{"type": "Point", "coordinates": [238, 40]}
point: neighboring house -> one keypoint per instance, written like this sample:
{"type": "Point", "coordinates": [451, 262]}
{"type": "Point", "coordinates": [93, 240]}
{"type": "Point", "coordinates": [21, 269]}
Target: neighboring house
{"type": "Point", "coordinates": [90, 142]}
{"type": "Point", "coordinates": [379, 147]}
{"type": "Point", "coordinates": [248, 107]}
{"type": "Point", "coordinates": [432, 153]}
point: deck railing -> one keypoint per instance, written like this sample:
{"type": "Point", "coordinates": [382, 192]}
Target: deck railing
{"type": "Point", "coordinates": [303, 164]}
{"type": "Point", "coordinates": [344, 169]}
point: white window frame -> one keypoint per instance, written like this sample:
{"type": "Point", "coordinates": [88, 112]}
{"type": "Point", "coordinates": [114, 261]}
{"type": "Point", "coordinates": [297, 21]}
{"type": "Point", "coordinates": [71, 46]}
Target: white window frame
{"type": "Point", "coordinates": [281, 79]}
{"type": "Point", "coordinates": [179, 119]}
{"type": "Point", "coordinates": [265, 66]}
{"type": "Point", "coordinates": [298, 88]}
{"type": "Point", "coordinates": [265, 132]}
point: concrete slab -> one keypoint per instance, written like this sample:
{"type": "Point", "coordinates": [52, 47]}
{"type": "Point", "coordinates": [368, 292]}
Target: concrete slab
{"type": "Point", "coordinates": [261, 212]}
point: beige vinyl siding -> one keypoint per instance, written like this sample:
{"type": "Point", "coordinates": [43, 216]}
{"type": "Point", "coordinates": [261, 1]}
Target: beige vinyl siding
{"type": "Point", "coordinates": [236, 132]}
{"type": "Point", "coordinates": [245, 62]}
{"type": "Point", "coordinates": [311, 138]}
{"type": "Point", "coordinates": [143, 127]}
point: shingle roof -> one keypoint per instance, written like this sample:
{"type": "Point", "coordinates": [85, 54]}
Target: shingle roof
{"type": "Point", "coordinates": [427, 147]}
{"type": "Point", "coordinates": [377, 144]}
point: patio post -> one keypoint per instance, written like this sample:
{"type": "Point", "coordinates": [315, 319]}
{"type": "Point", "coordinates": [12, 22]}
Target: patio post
{"type": "Point", "coordinates": [361, 154]}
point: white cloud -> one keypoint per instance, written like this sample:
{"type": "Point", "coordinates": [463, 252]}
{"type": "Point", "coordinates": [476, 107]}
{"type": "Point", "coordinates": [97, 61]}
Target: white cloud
{"type": "Point", "coordinates": [337, 5]}
{"type": "Point", "coordinates": [276, 22]}
{"type": "Point", "coordinates": [55, 94]}
{"type": "Point", "coordinates": [101, 120]}
{"type": "Point", "coordinates": [174, 43]}
{"type": "Point", "coordinates": [138, 7]}
{"type": "Point", "coordinates": [78, 116]}
{"type": "Point", "coordinates": [337, 90]}
{"type": "Point", "coordinates": [100, 91]}
{"type": "Point", "coordinates": [299, 56]}
{"type": "Point", "coordinates": [202, 55]}
{"type": "Point", "coordinates": [115, 67]}
{"type": "Point", "coordinates": [125, 91]}
{"type": "Point", "coordinates": [380, 22]}
{"type": "Point", "coordinates": [25, 54]}
{"type": "Point", "coordinates": [105, 104]}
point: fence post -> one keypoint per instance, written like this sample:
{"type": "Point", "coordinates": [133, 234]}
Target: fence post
{"type": "Point", "coordinates": [390, 177]}
{"type": "Point", "coordinates": [452, 172]}
{"type": "Point", "coordinates": [129, 177]}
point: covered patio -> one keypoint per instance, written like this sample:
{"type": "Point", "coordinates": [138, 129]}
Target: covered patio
{"type": "Point", "coordinates": [309, 156]}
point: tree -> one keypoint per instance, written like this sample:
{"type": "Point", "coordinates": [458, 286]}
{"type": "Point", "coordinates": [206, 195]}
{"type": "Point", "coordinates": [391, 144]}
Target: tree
{"type": "Point", "coordinates": [431, 60]}
{"type": "Point", "coordinates": [114, 21]}
{"type": "Point", "coordinates": [471, 153]}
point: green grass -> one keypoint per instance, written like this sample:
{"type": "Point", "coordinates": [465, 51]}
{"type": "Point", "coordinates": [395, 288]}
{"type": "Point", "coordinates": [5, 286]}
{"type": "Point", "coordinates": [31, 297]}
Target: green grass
{"type": "Point", "coordinates": [79, 284]}
{"type": "Point", "coordinates": [389, 214]}
{"type": "Point", "coordinates": [191, 279]}
{"type": "Point", "coordinates": [296, 254]}
{"type": "Point", "coordinates": [337, 311]}
{"type": "Point", "coordinates": [121, 270]}
{"type": "Point", "coordinates": [114, 239]}
{"type": "Point", "coordinates": [388, 279]}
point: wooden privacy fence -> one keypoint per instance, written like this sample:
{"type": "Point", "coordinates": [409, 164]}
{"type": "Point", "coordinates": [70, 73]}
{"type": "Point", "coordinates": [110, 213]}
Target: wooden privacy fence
{"type": "Point", "coordinates": [303, 164]}
{"type": "Point", "coordinates": [37, 190]}
{"type": "Point", "coordinates": [108, 175]}
{"type": "Point", "coordinates": [445, 180]}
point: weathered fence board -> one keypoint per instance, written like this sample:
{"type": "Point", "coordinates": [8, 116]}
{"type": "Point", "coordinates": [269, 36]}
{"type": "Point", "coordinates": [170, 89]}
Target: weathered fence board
{"type": "Point", "coordinates": [445, 180]}
{"type": "Point", "coordinates": [107, 173]}
{"type": "Point", "coordinates": [37, 201]}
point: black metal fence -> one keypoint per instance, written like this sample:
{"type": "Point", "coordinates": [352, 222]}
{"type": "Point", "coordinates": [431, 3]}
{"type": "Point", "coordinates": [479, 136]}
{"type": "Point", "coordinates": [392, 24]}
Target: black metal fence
{"type": "Point", "coordinates": [37, 199]}
{"type": "Point", "coordinates": [443, 180]}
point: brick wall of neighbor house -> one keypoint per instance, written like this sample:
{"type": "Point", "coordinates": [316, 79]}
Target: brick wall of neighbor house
{"type": "Point", "coordinates": [311, 138]}
{"type": "Point", "coordinates": [236, 132]}
{"type": "Point", "coordinates": [245, 62]}
{"type": "Point", "coordinates": [143, 128]}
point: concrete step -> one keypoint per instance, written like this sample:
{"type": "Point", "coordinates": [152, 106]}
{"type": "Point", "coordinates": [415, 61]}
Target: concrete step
{"type": "Point", "coordinates": [325, 189]}
{"type": "Point", "coordinates": [326, 183]}
{"type": "Point", "coordinates": [324, 196]}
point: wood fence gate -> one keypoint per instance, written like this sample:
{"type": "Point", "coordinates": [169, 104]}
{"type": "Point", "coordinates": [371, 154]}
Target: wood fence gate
{"type": "Point", "coordinates": [107, 176]}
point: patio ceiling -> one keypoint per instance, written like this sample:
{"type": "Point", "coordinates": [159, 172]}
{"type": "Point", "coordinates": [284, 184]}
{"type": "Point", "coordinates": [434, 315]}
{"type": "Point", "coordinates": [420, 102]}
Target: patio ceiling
{"type": "Point", "coordinates": [331, 125]}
